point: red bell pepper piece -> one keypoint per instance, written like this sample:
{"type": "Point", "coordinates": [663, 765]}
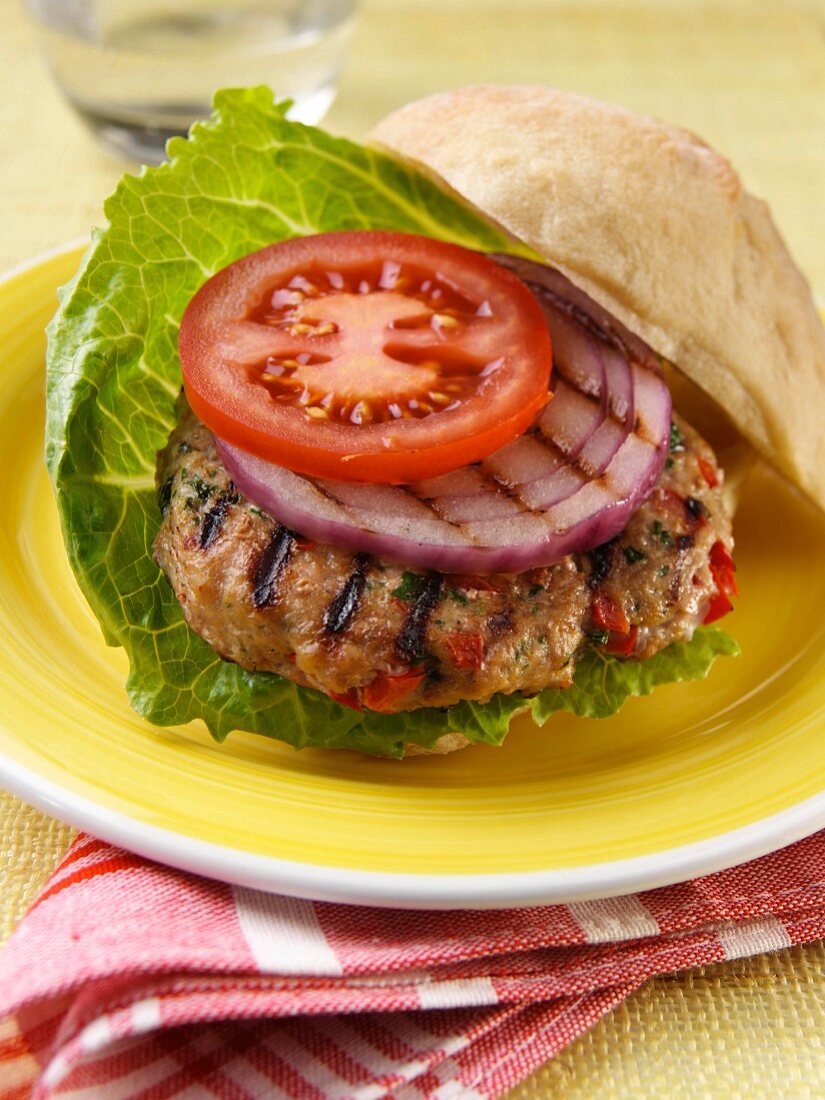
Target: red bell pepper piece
{"type": "Point", "coordinates": [719, 606]}
{"type": "Point", "coordinates": [723, 571]}
{"type": "Point", "coordinates": [347, 699]}
{"type": "Point", "coordinates": [466, 650]}
{"type": "Point", "coordinates": [608, 614]}
{"type": "Point", "coordinates": [708, 472]}
{"type": "Point", "coordinates": [386, 689]}
{"type": "Point", "coordinates": [722, 568]}
{"type": "Point", "coordinates": [622, 644]}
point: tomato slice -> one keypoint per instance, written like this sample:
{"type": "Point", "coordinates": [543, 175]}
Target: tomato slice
{"type": "Point", "coordinates": [366, 356]}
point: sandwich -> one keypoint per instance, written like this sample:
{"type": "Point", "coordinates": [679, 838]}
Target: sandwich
{"type": "Point", "coordinates": [395, 542]}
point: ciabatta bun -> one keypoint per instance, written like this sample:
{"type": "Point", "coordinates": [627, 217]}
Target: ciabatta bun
{"type": "Point", "coordinates": [655, 226]}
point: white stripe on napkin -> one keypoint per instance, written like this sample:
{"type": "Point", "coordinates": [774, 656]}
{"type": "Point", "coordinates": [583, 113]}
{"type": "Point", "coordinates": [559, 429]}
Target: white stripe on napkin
{"type": "Point", "coordinates": [608, 919]}
{"type": "Point", "coordinates": [145, 1015]}
{"type": "Point", "coordinates": [458, 993]}
{"type": "Point", "coordinates": [751, 937]}
{"type": "Point", "coordinates": [350, 1034]}
{"type": "Point", "coordinates": [307, 1068]}
{"type": "Point", "coordinates": [96, 1035]}
{"type": "Point", "coordinates": [452, 1088]}
{"type": "Point", "coordinates": [448, 1072]}
{"type": "Point", "coordinates": [283, 934]}
{"type": "Point", "coordinates": [55, 1071]}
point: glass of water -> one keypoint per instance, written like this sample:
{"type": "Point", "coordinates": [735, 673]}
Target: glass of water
{"type": "Point", "coordinates": [140, 71]}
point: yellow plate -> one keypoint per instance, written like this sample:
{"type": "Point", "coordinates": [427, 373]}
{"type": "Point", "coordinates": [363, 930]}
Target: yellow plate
{"type": "Point", "coordinates": [696, 777]}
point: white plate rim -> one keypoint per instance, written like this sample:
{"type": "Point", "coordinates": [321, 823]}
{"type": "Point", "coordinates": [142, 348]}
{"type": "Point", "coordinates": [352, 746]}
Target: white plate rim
{"type": "Point", "coordinates": [404, 890]}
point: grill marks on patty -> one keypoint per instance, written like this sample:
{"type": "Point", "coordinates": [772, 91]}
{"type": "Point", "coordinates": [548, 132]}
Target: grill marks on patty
{"type": "Point", "coordinates": [601, 563]}
{"type": "Point", "coordinates": [339, 613]}
{"type": "Point", "coordinates": [326, 618]}
{"type": "Point", "coordinates": [214, 519]}
{"type": "Point", "coordinates": [410, 643]}
{"type": "Point", "coordinates": [272, 563]}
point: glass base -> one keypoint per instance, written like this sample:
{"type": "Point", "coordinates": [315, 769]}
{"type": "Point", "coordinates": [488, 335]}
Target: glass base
{"type": "Point", "coordinates": [141, 133]}
{"type": "Point", "coordinates": [130, 140]}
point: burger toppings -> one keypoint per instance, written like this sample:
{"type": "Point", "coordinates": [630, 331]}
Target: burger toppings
{"type": "Point", "coordinates": [432, 525]}
{"type": "Point", "coordinates": [366, 356]}
{"type": "Point", "coordinates": [567, 484]}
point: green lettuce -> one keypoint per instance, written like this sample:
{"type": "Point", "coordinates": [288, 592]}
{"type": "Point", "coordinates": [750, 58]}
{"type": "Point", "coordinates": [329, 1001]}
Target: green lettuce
{"type": "Point", "coordinates": [243, 179]}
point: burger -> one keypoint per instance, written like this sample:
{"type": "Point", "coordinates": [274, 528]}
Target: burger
{"type": "Point", "coordinates": [425, 471]}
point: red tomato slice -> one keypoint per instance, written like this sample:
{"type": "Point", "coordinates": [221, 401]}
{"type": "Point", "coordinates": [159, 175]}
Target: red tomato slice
{"type": "Point", "coordinates": [366, 356]}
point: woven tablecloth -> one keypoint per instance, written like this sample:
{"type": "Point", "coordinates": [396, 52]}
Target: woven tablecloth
{"type": "Point", "coordinates": [749, 75]}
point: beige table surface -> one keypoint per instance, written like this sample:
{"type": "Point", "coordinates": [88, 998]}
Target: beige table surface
{"type": "Point", "coordinates": [749, 75]}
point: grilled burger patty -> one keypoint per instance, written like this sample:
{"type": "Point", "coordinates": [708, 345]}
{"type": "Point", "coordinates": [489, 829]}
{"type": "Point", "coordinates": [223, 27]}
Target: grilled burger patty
{"type": "Point", "coordinates": [339, 622]}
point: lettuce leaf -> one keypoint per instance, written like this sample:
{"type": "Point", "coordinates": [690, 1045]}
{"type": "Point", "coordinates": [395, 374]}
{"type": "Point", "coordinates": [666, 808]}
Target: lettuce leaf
{"type": "Point", "coordinates": [602, 683]}
{"type": "Point", "coordinates": [243, 179]}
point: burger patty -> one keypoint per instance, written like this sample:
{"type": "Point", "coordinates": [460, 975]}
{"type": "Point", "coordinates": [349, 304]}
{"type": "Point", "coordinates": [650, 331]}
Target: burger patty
{"type": "Point", "coordinates": [343, 623]}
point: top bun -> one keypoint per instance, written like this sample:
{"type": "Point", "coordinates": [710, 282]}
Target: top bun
{"type": "Point", "coordinates": [658, 229]}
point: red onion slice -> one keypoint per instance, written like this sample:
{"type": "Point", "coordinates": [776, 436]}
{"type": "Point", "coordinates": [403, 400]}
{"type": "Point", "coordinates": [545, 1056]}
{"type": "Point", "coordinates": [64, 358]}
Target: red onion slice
{"type": "Point", "coordinates": [525, 459]}
{"type": "Point", "coordinates": [547, 283]}
{"type": "Point", "coordinates": [571, 419]}
{"type": "Point", "coordinates": [592, 407]}
{"type": "Point", "coordinates": [575, 356]}
{"type": "Point", "coordinates": [569, 484]}
{"type": "Point", "coordinates": [600, 448]}
{"type": "Point", "coordinates": [619, 384]}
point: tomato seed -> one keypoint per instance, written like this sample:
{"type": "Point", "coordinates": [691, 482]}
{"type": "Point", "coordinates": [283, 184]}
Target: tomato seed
{"type": "Point", "coordinates": [300, 282]}
{"type": "Point", "coordinates": [282, 298]}
{"type": "Point", "coordinates": [390, 271]}
{"type": "Point", "coordinates": [362, 413]}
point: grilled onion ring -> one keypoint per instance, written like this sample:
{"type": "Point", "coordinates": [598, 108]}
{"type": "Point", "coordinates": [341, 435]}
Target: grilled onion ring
{"type": "Point", "coordinates": [569, 484]}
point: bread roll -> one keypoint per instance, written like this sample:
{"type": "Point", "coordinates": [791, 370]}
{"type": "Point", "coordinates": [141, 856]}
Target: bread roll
{"type": "Point", "coordinates": [656, 227]}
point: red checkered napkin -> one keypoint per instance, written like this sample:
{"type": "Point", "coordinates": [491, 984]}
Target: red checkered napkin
{"type": "Point", "coordinates": [128, 979]}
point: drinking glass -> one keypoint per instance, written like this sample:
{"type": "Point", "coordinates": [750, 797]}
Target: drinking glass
{"type": "Point", "coordinates": [139, 71]}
